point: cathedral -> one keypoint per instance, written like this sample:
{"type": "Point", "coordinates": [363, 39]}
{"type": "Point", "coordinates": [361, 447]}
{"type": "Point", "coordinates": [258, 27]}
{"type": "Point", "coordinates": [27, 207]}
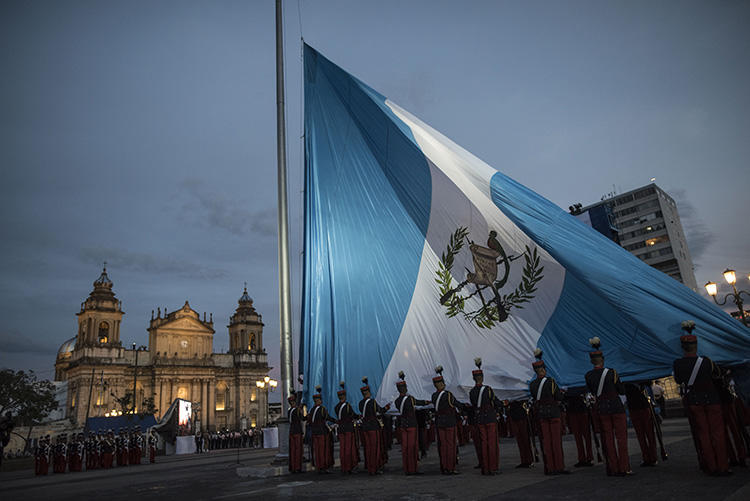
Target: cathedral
{"type": "Point", "coordinates": [178, 362]}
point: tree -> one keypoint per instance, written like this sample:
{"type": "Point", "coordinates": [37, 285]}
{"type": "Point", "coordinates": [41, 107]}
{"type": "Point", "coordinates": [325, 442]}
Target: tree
{"type": "Point", "coordinates": [28, 399]}
{"type": "Point", "coordinates": [126, 404]}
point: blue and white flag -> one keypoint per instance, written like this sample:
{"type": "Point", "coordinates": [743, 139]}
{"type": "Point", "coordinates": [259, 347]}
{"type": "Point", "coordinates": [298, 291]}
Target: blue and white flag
{"type": "Point", "coordinates": [418, 254]}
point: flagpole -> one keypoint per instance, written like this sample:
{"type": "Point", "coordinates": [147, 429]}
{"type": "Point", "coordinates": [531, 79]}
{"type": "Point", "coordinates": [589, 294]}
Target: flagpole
{"type": "Point", "coordinates": [285, 298]}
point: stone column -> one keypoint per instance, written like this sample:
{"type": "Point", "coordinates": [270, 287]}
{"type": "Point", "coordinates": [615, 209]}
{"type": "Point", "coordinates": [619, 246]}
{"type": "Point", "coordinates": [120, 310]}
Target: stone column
{"type": "Point", "coordinates": [204, 402]}
{"type": "Point", "coordinates": [211, 411]}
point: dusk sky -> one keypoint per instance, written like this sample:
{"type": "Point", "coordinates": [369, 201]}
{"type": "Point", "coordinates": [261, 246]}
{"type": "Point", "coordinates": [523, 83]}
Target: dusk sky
{"type": "Point", "coordinates": [142, 133]}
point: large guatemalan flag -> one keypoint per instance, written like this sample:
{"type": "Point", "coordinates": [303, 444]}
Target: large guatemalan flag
{"type": "Point", "coordinates": [417, 253]}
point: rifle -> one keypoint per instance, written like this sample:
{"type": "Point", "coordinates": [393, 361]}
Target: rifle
{"type": "Point", "coordinates": [541, 444]}
{"type": "Point", "coordinates": [657, 426]}
{"type": "Point", "coordinates": [593, 431]}
{"type": "Point", "coordinates": [530, 427]}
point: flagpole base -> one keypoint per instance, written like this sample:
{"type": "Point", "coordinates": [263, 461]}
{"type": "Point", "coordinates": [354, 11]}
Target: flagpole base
{"type": "Point", "coordinates": [282, 457]}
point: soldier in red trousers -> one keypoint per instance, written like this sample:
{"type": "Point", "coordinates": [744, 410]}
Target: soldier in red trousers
{"type": "Point", "coordinates": [696, 375]}
{"type": "Point", "coordinates": [75, 453]}
{"type": "Point", "coordinates": [606, 386]}
{"type": "Point", "coordinates": [372, 440]}
{"type": "Point", "coordinates": [152, 440]}
{"type": "Point", "coordinates": [446, 408]}
{"type": "Point", "coordinates": [41, 456]}
{"type": "Point", "coordinates": [107, 449]}
{"type": "Point", "coordinates": [345, 417]}
{"type": "Point", "coordinates": [641, 415]}
{"type": "Point", "coordinates": [60, 454]}
{"type": "Point", "coordinates": [406, 405]}
{"type": "Point", "coordinates": [318, 419]}
{"type": "Point", "coordinates": [547, 397]}
{"type": "Point", "coordinates": [485, 406]}
{"type": "Point", "coordinates": [296, 433]}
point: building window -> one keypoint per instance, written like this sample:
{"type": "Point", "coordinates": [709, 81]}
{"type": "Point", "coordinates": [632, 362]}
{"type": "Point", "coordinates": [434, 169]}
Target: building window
{"type": "Point", "coordinates": [253, 395]}
{"type": "Point", "coordinates": [99, 395]}
{"type": "Point", "coordinates": [251, 347]}
{"type": "Point", "coordinates": [222, 397]}
{"type": "Point", "coordinates": [657, 240]}
{"type": "Point", "coordinates": [182, 393]}
{"type": "Point", "coordinates": [103, 332]}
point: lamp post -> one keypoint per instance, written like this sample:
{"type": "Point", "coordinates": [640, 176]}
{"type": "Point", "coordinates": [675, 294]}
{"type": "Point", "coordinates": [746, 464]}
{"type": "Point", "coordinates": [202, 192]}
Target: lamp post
{"type": "Point", "coordinates": [731, 277]}
{"type": "Point", "coordinates": [265, 384]}
{"type": "Point", "coordinates": [135, 373]}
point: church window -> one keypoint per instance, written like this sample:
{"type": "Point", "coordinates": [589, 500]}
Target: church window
{"type": "Point", "coordinates": [252, 395]}
{"type": "Point", "coordinates": [252, 342]}
{"type": "Point", "coordinates": [182, 393]}
{"type": "Point", "coordinates": [99, 397]}
{"type": "Point", "coordinates": [103, 332]}
{"type": "Point", "coordinates": [222, 397]}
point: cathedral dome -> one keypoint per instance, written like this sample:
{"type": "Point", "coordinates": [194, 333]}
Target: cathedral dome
{"type": "Point", "coordinates": [103, 281]}
{"type": "Point", "coordinates": [245, 298]}
{"type": "Point", "coordinates": [67, 348]}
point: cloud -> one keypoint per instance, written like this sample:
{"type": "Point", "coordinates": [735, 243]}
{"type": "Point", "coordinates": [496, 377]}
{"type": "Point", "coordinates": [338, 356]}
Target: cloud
{"type": "Point", "coordinates": [214, 211]}
{"type": "Point", "coordinates": [15, 343]}
{"type": "Point", "coordinates": [150, 264]}
{"type": "Point", "coordinates": [697, 233]}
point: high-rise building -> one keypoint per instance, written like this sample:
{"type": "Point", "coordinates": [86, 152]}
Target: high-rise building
{"type": "Point", "coordinates": [645, 222]}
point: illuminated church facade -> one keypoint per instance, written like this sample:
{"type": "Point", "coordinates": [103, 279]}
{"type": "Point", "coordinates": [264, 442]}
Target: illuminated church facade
{"type": "Point", "coordinates": [178, 362]}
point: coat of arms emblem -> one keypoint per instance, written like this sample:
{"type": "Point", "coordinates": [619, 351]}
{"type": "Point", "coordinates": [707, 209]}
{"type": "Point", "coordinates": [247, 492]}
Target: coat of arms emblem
{"type": "Point", "coordinates": [487, 282]}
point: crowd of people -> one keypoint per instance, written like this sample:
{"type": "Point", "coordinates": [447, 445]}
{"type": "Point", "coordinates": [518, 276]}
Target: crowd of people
{"type": "Point", "coordinates": [718, 421]}
{"type": "Point", "coordinates": [225, 439]}
{"type": "Point", "coordinates": [100, 450]}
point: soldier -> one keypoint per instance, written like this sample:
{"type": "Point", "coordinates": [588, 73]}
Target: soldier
{"type": "Point", "coordinates": [296, 447]}
{"type": "Point", "coordinates": [107, 449]}
{"type": "Point", "coordinates": [318, 419]}
{"type": "Point", "coordinates": [446, 408]}
{"type": "Point", "coordinates": [371, 430]}
{"type": "Point", "coordinates": [580, 427]}
{"type": "Point", "coordinates": [547, 397]}
{"type": "Point", "coordinates": [60, 454]}
{"type": "Point", "coordinates": [518, 416]}
{"type": "Point", "coordinates": [75, 453]}
{"type": "Point", "coordinates": [152, 440]}
{"type": "Point", "coordinates": [696, 375]}
{"type": "Point", "coordinates": [406, 405]}
{"type": "Point", "coordinates": [733, 422]}
{"type": "Point", "coordinates": [485, 405]}
{"type": "Point", "coordinates": [99, 440]}
{"type": "Point", "coordinates": [41, 456]}
{"type": "Point", "coordinates": [136, 445]}
{"type": "Point", "coordinates": [606, 386]}
{"type": "Point", "coordinates": [641, 415]}
{"type": "Point", "coordinates": [345, 417]}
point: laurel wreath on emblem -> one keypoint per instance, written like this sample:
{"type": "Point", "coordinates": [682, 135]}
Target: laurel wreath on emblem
{"type": "Point", "coordinates": [496, 308]}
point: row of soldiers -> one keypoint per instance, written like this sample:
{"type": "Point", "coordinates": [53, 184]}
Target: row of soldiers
{"type": "Point", "coordinates": [98, 451]}
{"type": "Point", "coordinates": [719, 432]}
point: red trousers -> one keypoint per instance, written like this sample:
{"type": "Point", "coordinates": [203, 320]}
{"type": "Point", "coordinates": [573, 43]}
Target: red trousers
{"type": "Point", "coordinates": [58, 464]}
{"type": "Point", "coordinates": [614, 430]}
{"type": "Point", "coordinates": [643, 424]}
{"type": "Point", "coordinates": [521, 432]}
{"type": "Point", "coordinates": [106, 460]}
{"type": "Point", "coordinates": [477, 442]}
{"type": "Point", "coordinates": [578, 422]}
{"type": "Point", "coordinates": [322, 452]}
{"type": "Point", "coordinates": [735, 446]}
{"type": "Point", "coordinates": [708, 427]}
{"type": "Point", "coordinates": [447, 448]}
{"type": "Point", "coordinates": [41, 466]}
{"type": "Point", "coordinates": [373, 450]}
{"type": "Point", "coordinates": [74, 463]}
{"type": "Point", "coordinates": [347, 451]}
{"type": "Point", "coordinates": [152, 454]}
{"type": "Point", "coordinates": [295, 452]}
{"type": "Point", "coordinates": [135, 455]}
{"type": "Point", "coordinates": [409, 449]}
{"type": "Point", "coordinates": [490, 451]}
{"type": "Point", "coordinates": [551, 433]}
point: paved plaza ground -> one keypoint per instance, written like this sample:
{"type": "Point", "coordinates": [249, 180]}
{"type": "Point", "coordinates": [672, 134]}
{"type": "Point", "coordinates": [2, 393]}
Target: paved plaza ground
{"type": "Point", "coordinates": [228, 475]}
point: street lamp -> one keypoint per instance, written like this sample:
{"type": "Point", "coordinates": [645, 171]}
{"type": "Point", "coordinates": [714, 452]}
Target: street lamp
{"type": "Point", "coordinates": [731, 277]}
{"type": "Point", "coordinates": [265, 384]}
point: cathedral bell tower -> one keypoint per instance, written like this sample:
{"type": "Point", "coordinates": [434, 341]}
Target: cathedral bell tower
{"type": "Point", "coordinates": [100, 316]}
{"type": "Point", "coordinates": [245, 327]}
